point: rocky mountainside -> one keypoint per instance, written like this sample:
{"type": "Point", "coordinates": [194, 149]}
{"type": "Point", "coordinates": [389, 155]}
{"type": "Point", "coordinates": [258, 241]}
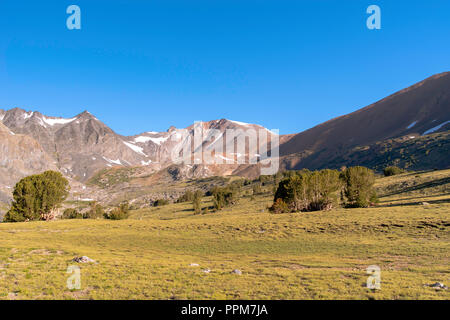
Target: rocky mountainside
{"type": "Point", "coordinates": [419, 110]}
{"type": "Point", "coordinates": [20, 155]}
{"type": "Point", "coordinates": [82, 146]}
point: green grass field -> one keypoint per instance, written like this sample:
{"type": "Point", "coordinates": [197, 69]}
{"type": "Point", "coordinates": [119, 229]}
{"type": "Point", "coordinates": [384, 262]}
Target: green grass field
{"type": "Point", "coordinates": [317, 255]}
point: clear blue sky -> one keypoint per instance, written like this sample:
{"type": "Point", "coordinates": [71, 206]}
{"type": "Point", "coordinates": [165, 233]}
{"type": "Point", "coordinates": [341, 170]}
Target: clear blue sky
{"type": "Point", "coordinates": [146, 65]}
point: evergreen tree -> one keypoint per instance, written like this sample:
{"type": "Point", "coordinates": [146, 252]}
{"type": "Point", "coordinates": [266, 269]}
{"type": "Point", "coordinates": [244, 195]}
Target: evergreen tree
{"type": "Point", "coordinates": [197, 201]}
{"type": "Point", "coordinates": [36, 197]}
{"type": "Point", "coordinates": [358, 187]}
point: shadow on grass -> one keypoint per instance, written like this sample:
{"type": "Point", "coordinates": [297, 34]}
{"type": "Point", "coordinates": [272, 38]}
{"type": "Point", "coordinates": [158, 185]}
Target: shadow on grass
{"type": "Point", "coordinates": [425, 185]}
{"type": "Point", "coordinates": [415, 203]}
{"type": "Point", "coordinates": [422, 197]}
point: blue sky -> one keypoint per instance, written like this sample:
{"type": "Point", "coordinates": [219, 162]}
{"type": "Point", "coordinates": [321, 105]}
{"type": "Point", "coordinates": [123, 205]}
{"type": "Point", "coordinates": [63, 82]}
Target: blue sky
{"type": "Point", "coordinates": [146, 65]}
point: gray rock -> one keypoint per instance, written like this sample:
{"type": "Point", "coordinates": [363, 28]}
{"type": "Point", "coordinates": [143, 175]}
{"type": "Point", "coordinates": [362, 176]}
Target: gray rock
{"type": "Point", "coordinates": [194, 265]}
{"type": "Point", "coordinates": [83, 259]}
{"type": "Point", "coordinates": [206, 271]}
{"type": "Point", "coordinates": [237, 271]}
{"type": "Point", "coordinates": [438, 285]}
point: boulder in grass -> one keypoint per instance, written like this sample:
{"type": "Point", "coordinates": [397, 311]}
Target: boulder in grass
{"type": "Point", "coordinates": [237, 271]}
{"type": "Point", "coordinates": [438, 285]}
{"type": "Point", "coordinates": [83, 259]}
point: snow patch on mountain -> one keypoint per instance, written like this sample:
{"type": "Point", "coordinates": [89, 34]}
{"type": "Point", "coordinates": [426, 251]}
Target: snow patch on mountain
{"type": "Point", "coordinates": [135, 148]}
{"type": "Point", "coordinates": [113, 161]}
{"type": "Point", "coordinates": [411, 125]}
{"type": "Point", "coordinates": [28, 115]}
{"type": "Point", "coordinates": [240, 123]}
{"type": "Point", "coordinates": [144, 139]}
{"type": "Point", "coordinates": [53, 121]}
{"type": "Point", "coordinates": [436, 128]}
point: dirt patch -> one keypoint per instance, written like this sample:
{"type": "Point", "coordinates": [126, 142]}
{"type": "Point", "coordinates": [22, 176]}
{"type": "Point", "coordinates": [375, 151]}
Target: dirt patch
{"type": "Point", "coordinates": [79, 294]}
{"type": "Point", "coordinates": [40, 251]}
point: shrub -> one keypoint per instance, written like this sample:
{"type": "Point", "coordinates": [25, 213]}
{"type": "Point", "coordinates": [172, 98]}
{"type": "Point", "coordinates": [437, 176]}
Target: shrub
{"type": "Point", "coordinates": [119, 213]}
{"type": "Point", "coordinates": [36, 197]}
{"type": "Point", "coordinates": [279, 206]}
{"type": "Point", "coordinates": [197, 202]}
{"type": "Point", "coordinates": [225, 196]}
{"type": "Point", "coordinates": [265, 180]}
{"type": "Point", "coordinates": [358, 187]}
{"type": "Point", "coordinates": [95, 211]}
{"type": "Point", "coordinates": [186, 197]}
{"type": "Point", "coordinates": [392, 171]}
{"type": "Point", "coordinates": [72, 213]}
{"type": "Point", "coordinates": [257, 188]}
{"type": "Point", "coordinates": [160, 202]}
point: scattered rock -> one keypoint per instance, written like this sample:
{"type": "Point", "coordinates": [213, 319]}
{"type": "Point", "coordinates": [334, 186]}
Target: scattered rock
{"type": "Point", "coordinates": [12, 296]}
{"type": "Point", "coordinates": [425, 204]}
{"type": "Point", "coordinates": [83, 259]}
{"type": "Point", "coordinates": [237, 271]}
{"type": "Point", "coordinates": [206, 271]}
{"type": "Point", "coordinates": [438, 285]}
{"type": "Point", "coordinates": [194, 265]}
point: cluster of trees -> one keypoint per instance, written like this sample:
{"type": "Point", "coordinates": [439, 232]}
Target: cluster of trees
{"type": "Point", "coordinates": [188, 196]}
{"type": "Point", "coordinates": [196, 198]}
{"type": "Point", "coordinates": [322, 190]}
{"type": "Point", "coordinates": [96, 211]}
{"type": "Point", "coordinates": [37, 197]}
{"type": "Point", "coordinates": [72, 213]}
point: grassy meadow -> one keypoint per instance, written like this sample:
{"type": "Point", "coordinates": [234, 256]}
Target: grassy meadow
{"type": "Point", "coordinates": [315, 255]}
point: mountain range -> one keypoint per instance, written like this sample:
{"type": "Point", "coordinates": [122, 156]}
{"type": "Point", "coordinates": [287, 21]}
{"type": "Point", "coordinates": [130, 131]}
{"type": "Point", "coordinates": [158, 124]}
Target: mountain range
{"type": "Point", "coordinates": [409, 128]}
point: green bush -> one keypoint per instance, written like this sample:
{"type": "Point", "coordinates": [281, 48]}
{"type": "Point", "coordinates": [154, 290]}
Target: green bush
{"type": "Point", "coordinates": [186, 197]}
{"type": "Point", "coordinates": [265, 180]}
{"type": "Point", "coordinates": [225, 196]}
{"type": "Point", "coordinates": [95, 211]}
{"type": "Point", "coordinates": [358, 187]}
{"type": "Point", "coordinates": [392, 171]}
{"type": "Point", "coordinates": [197, 202]}
{"type": "Point", "coordinates": [36, 197]}
{"type": "Point", "coordinates": [160, 202]}
{"type": "Point", "coordinates": [72, 213]}
{"type": "Point", "coordinates": [119, 213]}
{"type": "Point", "coordinates": [257, 189]}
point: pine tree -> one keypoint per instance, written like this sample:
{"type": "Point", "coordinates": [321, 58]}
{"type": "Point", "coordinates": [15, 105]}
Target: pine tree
{"type": "Point", "coordinates": [36, 197]}
{"type": "Point", "coordinates": [197, 202]}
